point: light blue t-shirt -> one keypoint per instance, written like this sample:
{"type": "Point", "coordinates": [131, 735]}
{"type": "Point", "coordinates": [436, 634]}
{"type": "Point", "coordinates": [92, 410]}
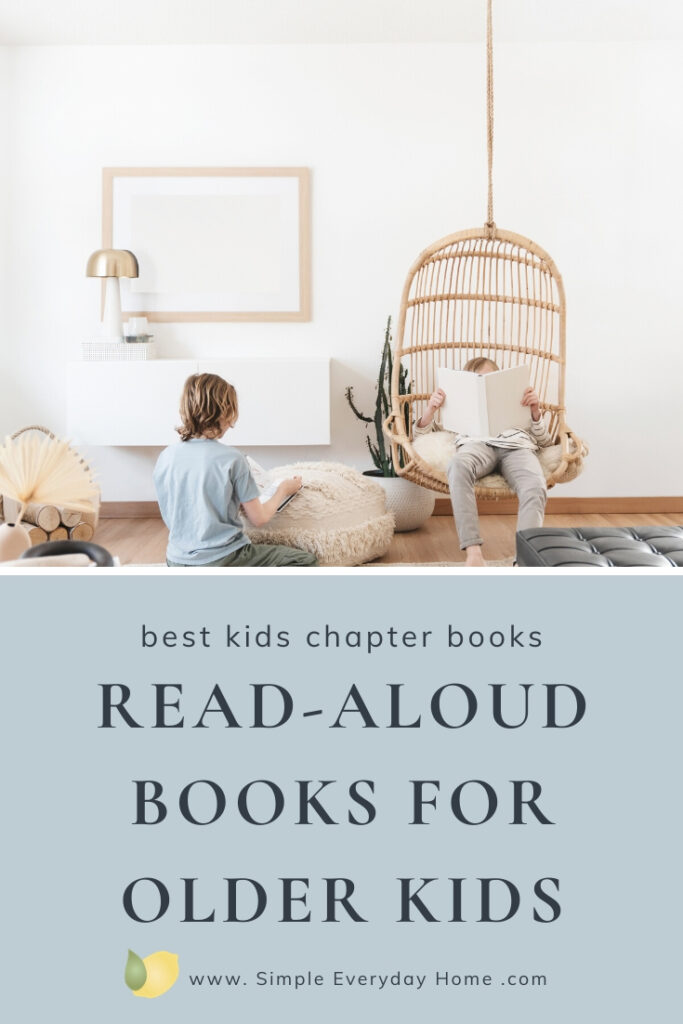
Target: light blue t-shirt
{"type": "Point", "coordinates": [200, 485]}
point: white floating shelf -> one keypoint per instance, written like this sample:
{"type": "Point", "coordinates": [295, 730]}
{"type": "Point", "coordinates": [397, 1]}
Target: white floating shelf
{"type": "Point", "coordinates": [282, 401]}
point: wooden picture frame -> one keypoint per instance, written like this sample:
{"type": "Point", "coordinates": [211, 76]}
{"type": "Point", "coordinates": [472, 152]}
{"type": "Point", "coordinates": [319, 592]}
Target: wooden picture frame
{"type": "Point", "coordinates": [213, 243]}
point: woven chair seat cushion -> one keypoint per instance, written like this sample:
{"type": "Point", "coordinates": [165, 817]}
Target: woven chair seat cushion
{"type": "Point", "coordinates": [598, 546]}
{"type": "Point", "coordinates": [438, 450]}
{"type": "Point", "coordinates": [339, 515]}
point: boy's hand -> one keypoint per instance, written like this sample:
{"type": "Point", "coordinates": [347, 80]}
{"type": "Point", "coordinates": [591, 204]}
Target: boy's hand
{"type": "Point", "coordinates": [531, 399]}
{"type": "Point", "coordinates": [436, 399]}
{"type": "Point", "coordinates": [293, 484]}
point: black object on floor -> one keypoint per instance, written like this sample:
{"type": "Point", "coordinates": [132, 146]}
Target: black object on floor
{"type": "Point", "coordinates": [609, 546]}
{"type": "Point", "coordinates": [97, 554]}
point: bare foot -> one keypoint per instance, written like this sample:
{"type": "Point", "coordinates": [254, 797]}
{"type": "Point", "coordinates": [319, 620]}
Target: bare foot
{"type": "Point", "coordinates": [474, 557]}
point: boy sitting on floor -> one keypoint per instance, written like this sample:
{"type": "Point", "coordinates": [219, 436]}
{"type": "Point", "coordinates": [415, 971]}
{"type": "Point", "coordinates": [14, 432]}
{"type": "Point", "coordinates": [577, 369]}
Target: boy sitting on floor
{"type": "Point", "coordinates": [201, 484]}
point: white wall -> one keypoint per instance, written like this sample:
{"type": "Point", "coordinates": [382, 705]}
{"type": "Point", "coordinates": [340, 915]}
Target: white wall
{"type": "Point", "coordinates": [4, 210]}
{"type": "Point", "coordinates": [587, 164]}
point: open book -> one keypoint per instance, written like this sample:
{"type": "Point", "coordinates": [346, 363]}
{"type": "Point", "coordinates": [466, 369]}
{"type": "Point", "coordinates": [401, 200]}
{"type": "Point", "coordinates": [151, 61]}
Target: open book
{"type": "Point", "coordinates": [270, 490]}
{"type": "Point", "coordinates": [483, 405]}
{"type": "Point", "coordinates": [266, 486]}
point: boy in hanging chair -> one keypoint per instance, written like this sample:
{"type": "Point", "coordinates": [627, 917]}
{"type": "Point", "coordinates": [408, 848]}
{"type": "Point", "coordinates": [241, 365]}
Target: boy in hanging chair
{"type": "Point", "coordinates": [513, 453]}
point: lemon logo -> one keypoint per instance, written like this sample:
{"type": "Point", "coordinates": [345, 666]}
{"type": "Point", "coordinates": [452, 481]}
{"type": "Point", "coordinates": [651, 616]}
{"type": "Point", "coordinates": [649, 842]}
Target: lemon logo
{"type": "Point", "coordinates": [152, 976]}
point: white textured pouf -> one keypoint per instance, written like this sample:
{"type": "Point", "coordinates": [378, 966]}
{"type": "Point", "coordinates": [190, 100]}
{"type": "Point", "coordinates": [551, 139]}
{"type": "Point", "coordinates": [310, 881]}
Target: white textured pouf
{"type": "Point", "coordinates": [339, 515]}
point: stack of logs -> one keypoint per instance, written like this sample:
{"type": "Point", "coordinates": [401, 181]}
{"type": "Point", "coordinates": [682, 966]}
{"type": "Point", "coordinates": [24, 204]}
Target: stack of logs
{"type": "Point", "coordinates": [48, 522]}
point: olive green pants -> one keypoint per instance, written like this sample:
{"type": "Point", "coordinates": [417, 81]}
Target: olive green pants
{"type": "Point", "coordinates": [257, 555]}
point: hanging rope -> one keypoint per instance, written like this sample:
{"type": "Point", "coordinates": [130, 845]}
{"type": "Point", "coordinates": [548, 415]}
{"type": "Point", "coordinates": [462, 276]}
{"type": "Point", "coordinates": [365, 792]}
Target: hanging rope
{"type": "Point", "coordinates": [490, 226]}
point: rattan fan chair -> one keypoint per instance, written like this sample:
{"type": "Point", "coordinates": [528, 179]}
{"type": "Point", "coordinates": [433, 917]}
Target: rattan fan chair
{"type": "Point", "coordinates": [481, 292]}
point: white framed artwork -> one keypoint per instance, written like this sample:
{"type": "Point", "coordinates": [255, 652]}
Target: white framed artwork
{"type": "Point", "coordinates": [216, 243]}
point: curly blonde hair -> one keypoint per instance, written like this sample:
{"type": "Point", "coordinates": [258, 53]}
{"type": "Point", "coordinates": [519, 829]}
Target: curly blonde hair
{"type": "Point", "coordinates": [208, 405]}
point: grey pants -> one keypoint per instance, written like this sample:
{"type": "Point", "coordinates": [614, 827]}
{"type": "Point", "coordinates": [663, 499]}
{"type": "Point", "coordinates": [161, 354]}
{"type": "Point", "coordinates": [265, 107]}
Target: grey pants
{"type": "Point", "coordinates": [522, 472]}
{"type": "Point", "coordinates": [261, 555]}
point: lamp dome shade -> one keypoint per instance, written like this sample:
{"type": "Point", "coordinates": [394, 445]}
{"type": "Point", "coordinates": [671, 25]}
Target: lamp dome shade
{"type": "Point", "coordinates": [112, 263]}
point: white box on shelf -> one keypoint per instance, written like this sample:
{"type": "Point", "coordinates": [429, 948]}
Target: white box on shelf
{"type": "Point", "coordinates": [118, 351]}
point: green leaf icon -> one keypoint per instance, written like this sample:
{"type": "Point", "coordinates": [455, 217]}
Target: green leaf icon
{"type": "Point", "coordinates": [136, 972]}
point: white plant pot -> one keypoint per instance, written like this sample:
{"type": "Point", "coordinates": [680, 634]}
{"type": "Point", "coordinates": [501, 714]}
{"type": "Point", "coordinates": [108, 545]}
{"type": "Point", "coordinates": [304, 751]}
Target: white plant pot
{"type": "Point", "coordinates": [409, 503]}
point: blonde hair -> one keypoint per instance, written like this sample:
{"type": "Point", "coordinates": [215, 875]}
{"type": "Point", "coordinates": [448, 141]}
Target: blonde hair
{"type": "Point", "coordinates": [207, 404]}
{"type": "Point", "coordinates": [477, 364]}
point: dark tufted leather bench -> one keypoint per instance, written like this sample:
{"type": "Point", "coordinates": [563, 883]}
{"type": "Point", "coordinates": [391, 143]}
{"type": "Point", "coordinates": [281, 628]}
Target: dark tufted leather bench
{"type": "Point", "coordinates": [658, 546]}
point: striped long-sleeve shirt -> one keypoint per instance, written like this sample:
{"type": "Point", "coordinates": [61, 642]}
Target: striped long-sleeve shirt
{"type": "Point", "coordinates": [537, 436]}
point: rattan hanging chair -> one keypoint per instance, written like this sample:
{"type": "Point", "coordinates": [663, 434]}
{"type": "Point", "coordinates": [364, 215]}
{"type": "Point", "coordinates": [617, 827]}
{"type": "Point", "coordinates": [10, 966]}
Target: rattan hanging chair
{"type": "Point", "coordinates": [481, 292]}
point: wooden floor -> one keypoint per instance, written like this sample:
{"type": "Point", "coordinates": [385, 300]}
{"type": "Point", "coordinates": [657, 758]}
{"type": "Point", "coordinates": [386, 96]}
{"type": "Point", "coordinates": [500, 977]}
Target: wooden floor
{"type": "Point", "coordinates": [143, 541]}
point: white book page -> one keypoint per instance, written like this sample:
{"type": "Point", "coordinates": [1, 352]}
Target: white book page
{"type": "Point", "coordinates": [267, 486]}
{"type": "Point", "coordinates": [504, 391]}
{"type": "Point", "coordinates": [270, 490]}
{"type": "Point", "coordinates": [464, 410]}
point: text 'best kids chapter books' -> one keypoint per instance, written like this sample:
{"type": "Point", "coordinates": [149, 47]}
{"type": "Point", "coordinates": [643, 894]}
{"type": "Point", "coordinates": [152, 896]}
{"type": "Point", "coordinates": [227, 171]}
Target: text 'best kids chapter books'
{"type": "Point", "coordinates": [484, 404]}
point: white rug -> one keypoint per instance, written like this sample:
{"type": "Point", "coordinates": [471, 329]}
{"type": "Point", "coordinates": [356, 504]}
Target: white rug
{"type": "Point", "coordinates": [504, 562]}
{"type": "Point", "coordinates": [434, 565]}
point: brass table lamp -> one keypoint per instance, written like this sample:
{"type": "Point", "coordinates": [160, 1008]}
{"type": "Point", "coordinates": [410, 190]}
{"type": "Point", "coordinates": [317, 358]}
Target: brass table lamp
{"type": "Point", "coordinates": [112, 264]}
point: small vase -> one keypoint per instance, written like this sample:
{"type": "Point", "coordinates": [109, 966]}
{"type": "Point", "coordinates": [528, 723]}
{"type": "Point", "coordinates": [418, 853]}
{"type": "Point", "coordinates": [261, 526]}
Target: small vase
{"type": "Point", "coordinates": [14, 540]}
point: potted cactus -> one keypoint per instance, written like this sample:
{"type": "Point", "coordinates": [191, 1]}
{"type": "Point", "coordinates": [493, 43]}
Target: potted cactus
{"type": "Point", "coordinates": [410, 504]}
